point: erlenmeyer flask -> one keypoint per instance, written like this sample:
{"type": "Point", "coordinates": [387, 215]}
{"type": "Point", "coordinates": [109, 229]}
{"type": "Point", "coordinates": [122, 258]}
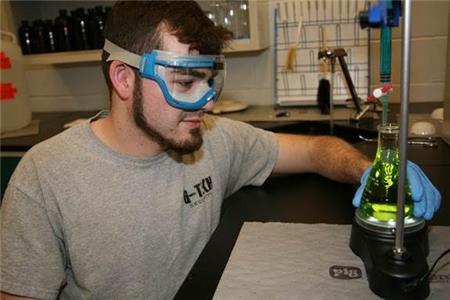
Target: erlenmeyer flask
{"type": "Point", "coordinates": [379, 199]}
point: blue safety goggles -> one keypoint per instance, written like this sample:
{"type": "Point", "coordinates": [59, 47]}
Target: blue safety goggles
{"type": "Point", "coordinates": [188, 82]}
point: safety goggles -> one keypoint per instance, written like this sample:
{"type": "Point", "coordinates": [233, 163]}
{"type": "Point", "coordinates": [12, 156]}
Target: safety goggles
{"type": "Point", "coordinates": [188, 82]}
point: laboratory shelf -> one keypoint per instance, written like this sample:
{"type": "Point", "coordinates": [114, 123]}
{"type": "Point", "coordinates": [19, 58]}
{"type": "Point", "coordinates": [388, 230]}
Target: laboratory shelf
{"type": "Point", "coordinates": [88, 56]}
{"type": "Point", "coordinates": [63, 57]}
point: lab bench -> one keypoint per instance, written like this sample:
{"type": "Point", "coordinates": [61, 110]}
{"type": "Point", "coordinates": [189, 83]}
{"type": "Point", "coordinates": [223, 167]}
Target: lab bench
{"type": "Point", "coordinates": [297, 198]}
{"type": "Point", "coordinates": [263, 116]}
{"type": "Point", "coordinates": [52, 123]}
{"type": "Point", "coordinates": [305, 120]}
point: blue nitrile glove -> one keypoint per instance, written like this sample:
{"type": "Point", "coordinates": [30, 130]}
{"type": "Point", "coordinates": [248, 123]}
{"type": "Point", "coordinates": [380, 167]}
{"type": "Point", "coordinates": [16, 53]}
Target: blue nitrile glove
{"type": "Point", "coordinates": [426, 197]}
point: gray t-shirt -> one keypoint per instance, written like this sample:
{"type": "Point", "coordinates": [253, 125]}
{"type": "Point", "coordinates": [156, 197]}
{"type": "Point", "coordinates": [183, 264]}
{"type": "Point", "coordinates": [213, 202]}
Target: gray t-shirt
{"type": "Point", "coordinates": [80, 221]}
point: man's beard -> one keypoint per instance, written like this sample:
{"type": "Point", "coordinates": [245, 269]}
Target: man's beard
{"type": "Point", "coordinates": [186, 146]}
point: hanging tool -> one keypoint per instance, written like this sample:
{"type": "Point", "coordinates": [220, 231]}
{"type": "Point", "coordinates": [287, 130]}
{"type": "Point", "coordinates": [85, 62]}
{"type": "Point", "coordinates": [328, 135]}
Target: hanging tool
{"type": "Point", "coordinates": [323, 93]}
{"type": "Point", "coordinates": [292, 51]}
{"type": "Point", "coordinates": [340, 54]}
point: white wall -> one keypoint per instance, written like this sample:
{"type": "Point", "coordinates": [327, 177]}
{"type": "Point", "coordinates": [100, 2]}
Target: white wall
{"type": "Point", "coordinates": [67, 87]}
{"type": "Point", "coordinates": [250, 76]}
{"type": "Point", "coordinates": [429, 31]}
{"type": "Point", "coordinates": [428, 78]}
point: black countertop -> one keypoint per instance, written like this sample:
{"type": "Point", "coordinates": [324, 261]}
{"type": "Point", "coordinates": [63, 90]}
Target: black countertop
{"type": "Point", "coordinates": [299, 198]}
{"type": "Point", "coordinates": [52, 123]}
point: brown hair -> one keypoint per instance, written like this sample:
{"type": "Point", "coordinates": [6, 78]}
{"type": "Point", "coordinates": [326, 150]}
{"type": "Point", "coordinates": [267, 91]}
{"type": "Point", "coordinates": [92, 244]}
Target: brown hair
{"type": "Point", "coordinates": [136, 26]}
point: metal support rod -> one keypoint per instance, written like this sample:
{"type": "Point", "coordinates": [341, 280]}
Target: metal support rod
{"type": "Point", "coordinates": [403, 139]}
{"type": "Point", "coordinates": [275, 61]}
{"type": "Point", "coordinates": [333, 70]}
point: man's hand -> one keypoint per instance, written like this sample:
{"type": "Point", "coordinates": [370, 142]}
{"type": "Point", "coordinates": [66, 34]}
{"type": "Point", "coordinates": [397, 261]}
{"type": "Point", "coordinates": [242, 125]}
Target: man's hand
{"type": "Point", "coordinates": [426, 197]}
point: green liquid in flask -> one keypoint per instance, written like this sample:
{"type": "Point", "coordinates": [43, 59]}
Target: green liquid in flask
{"type": "Point", "coordinates": [379, 199]}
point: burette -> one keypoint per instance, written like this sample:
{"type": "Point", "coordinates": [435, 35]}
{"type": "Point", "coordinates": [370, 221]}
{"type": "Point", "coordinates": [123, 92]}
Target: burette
{"type": "Point", "coordinates": [385, 62]}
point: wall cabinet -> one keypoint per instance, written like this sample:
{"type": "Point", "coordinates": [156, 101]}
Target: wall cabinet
{"type": "Point", "coordinates": [257, 38]}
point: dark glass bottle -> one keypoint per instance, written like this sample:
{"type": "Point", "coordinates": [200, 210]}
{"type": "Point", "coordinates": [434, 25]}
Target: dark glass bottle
{"type": "Point", "coordinates": [80, 30]}
{"type": "Point", "coordinates": [92, 28]}
{"type": "Point", "coordinates": [25, 37]}
{"type": "Point", "coordinates": [49, 31]}
{"type": "Point", "coordinates": [38, 44]}
{"type": "Point", "coordinates": [95, 27]}
{"type": "Point", "coordinates": [101, 19]}
{"type": "Point", "coordinates": [379, 199]}
{"type": "Point", "coordinates": [63, 32]}
{"type": "Point", "coordinates": [107, 12]}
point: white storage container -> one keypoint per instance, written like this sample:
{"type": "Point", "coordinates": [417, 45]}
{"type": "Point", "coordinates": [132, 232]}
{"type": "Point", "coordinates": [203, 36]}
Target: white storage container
{"type": "Point", "coordinates": [14, 104]}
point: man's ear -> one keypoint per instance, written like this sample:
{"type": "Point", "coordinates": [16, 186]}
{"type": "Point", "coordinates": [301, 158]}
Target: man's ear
{"type": "Point", "coordinates": [122, 79]}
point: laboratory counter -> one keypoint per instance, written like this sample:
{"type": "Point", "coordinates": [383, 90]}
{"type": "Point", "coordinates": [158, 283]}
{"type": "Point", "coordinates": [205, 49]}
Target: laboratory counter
{"type": "Point", "coordinates": [263, 116]}
{"type": "Point", "coordinates": [48, 124]}
{"type": "Point", "coordinates": [299, 198]}
{"type": "Point", "coordinates": [52, 123]}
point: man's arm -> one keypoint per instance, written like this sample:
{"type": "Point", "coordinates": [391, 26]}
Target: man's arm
{"type": "Point", "coordinates": [6, 296]}
{"type": "Point", "coordinates": [326, 155]}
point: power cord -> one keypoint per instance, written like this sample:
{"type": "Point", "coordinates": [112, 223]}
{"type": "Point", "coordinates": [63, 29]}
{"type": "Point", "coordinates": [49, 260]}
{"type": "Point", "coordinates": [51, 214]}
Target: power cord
{"type": "Point", "coordinates": [412, 285]}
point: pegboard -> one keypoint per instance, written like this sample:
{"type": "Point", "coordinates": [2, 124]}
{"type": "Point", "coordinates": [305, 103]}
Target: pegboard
{"type": "Point", "coordinates": [339, 19]}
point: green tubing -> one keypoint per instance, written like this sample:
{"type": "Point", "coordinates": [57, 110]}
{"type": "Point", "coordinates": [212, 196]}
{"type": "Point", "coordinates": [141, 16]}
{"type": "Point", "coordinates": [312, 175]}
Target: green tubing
{"type": "Point", "coordinates": [385, 54]}
{"type": "Point", "coordinates": [385, 62]}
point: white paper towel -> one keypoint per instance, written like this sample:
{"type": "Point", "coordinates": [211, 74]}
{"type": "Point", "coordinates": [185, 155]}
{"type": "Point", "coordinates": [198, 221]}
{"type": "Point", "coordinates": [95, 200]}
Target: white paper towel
{"type": "Point", "coordinates": [310, 261]}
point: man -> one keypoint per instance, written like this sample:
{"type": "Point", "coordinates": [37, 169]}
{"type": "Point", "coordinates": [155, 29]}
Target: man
{"type": "Point", "coordinates": [120, 207]}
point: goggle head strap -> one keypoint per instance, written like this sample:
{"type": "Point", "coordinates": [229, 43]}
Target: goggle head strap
{"type": "Point", "coordinates": [118, 53]}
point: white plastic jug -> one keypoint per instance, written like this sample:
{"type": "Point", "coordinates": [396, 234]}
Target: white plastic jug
{"type": "Point", "coordinates": [14, 104]}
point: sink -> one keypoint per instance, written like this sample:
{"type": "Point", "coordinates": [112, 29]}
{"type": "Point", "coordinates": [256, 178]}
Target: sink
{"type": "Point", "coordinates": [346, 130]}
